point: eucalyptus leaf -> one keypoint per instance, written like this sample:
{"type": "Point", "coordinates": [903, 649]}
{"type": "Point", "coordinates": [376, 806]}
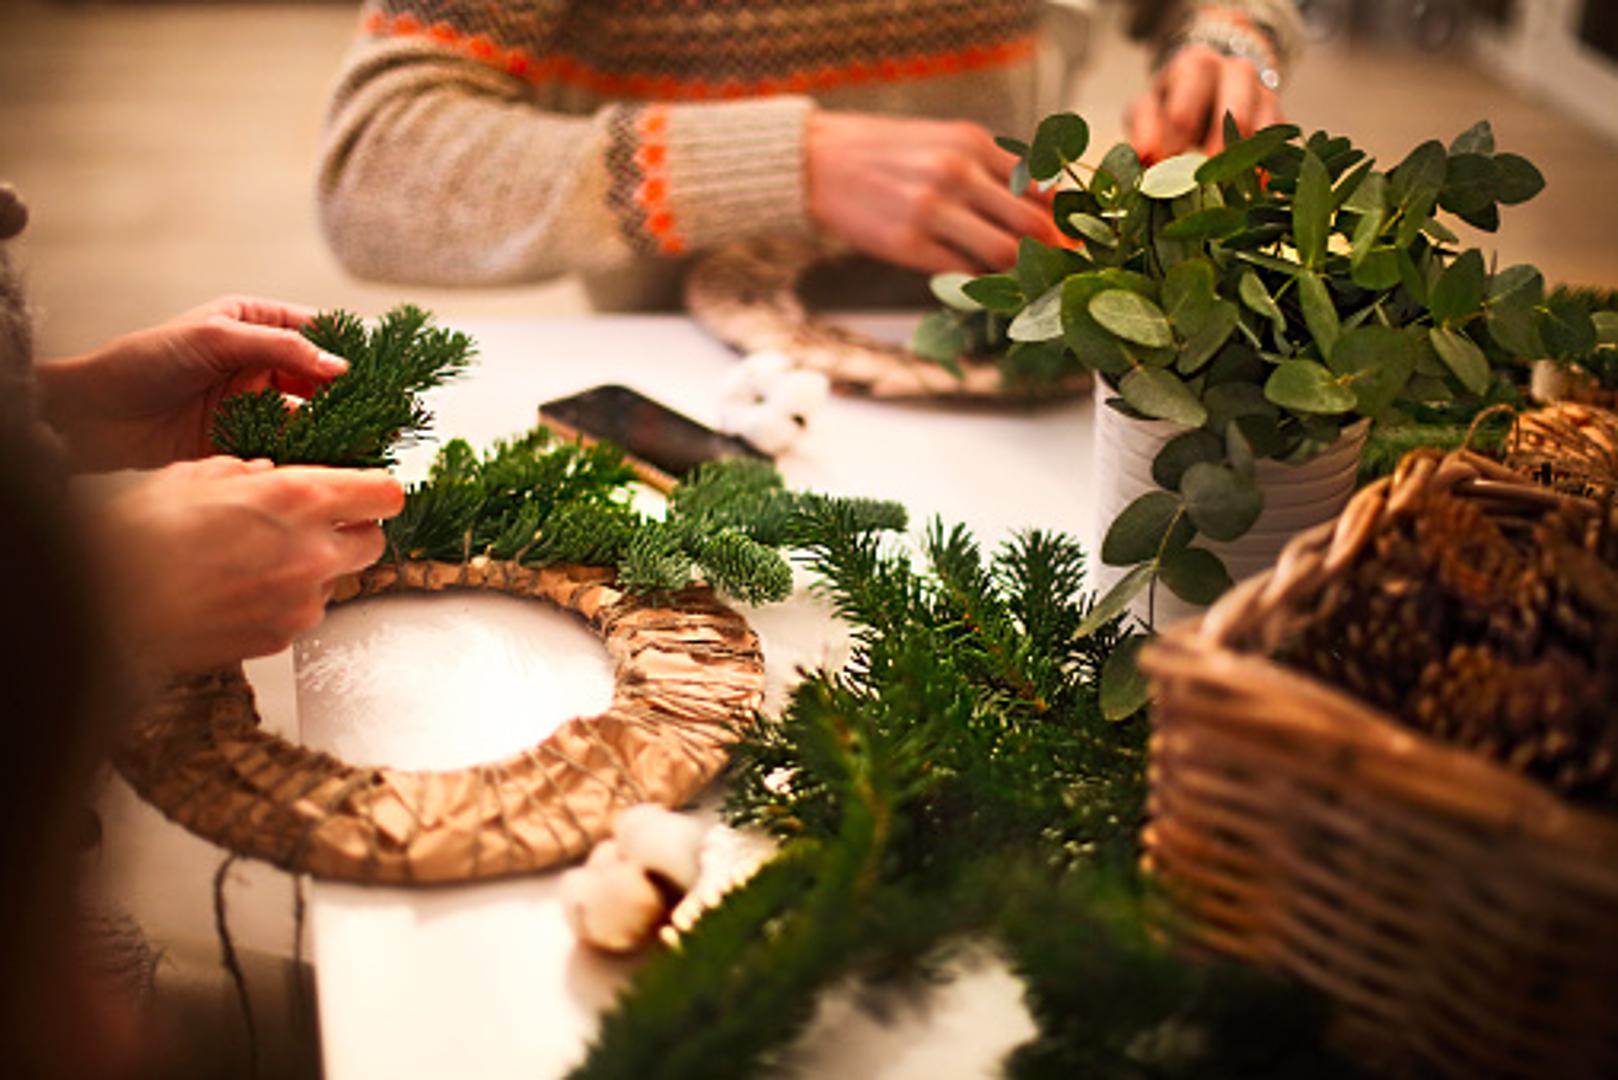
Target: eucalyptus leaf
{"type": "Point", "coordinates": [1470, 183]}
{"type": "Point", "coordinates": [1258, 298]}
{"type": "Point", "coordinates": [1514, 283]}
{"type": "Point", "coordinates": [1463, 358]}
{"type": "Point", "coordinates": [1040, 320]}
{"type": "Point", "coordinates": [1188, 295]}
{"type": "Point", "coordinates": [1162, 396]}
{"type": "Point", "coordinates": [1243, 157]}
{"type": "Point", "coordinates": [1307, 387]}
{"type": "Point", "coordinates": [1518, 179]}
{"type": "Point", "coordinates": [1093, 229]}
{"type": "Point", "coordinates": [1124, 690]}
{"type": "Point", "coordinates": [1132, 317]}
{"type": "Point", "coordinates": [1232, 401]}
{"type": "Point", "coordinates": [1154, 523]}
{"type": "Point", "coordinates": [1060, 140]}
{"type": "Point", "coordinates": [1120, 167]}
{"type": "Point", "coordinates": [1011, 146]}
{"type": "Point", "coordinates": [1378, 362]}
{"type": "Point", "coordinates": [1311, 211]}
{"type": "Point", "coordinates": [1173, 177]}
{"type": "Point", "coordinates": [1477, 139]}
{"type": "Point", "coordinates": [1208, 338]}
{"type": "Point", "coordinates": [1115, 601]}
{"type": "Point", "coordinates": [1183, 451]}
{"type": "Point", "coordinates": [938, 338]}
{"type": "Point", "coordinates": [1020, 179]}
{"type": "Point", "coordinates": [1210, 223]}
{"type": "Point", "coordinates": [1221, 502]}
{"type": "Point", "coordinates": [1566, 328]}
{"type": "Point", "coordinates": [997, 292]}
{"type": "Point", "coordinates": [1346, 188]}
{"type": "Point", "coordinates": [1379, 269]}
{"type": "Point", "coordinates": [1239, 450]}
{"type": "Point", "coordinates": [1196, 575]}
{"type": "Point", "coordinates": [947, 288]}
{"type": "Point", "coordinates": [1039, 266]}
{"type": "Point", "coordinates": [1459, 292]}
{"type": "Point", "coordinates": [1487, 219]}
{"type": "Point", "coordinates": [1319, 313]}
{"type": "Point", "coordinates": [1418, 179]}
{"type": "Point", "coordinates": [1370, 197]}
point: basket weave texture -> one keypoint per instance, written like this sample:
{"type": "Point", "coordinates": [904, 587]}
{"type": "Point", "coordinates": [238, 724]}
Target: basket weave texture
{"type": "Point", "coordinates": [687, 671]}
{"type": "Point", "coordinates": [1465, 918]}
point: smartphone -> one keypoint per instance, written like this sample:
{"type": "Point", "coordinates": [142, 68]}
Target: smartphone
{"type": "Point", "coordinates": [652, 433]}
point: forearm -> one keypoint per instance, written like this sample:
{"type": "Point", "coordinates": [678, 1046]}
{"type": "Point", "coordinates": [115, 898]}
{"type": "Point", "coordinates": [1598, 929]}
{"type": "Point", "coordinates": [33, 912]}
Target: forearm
{"type": "Point", "coordinates": [1172, 23]}
{"type": "Point", "coordinates": [440, 169]}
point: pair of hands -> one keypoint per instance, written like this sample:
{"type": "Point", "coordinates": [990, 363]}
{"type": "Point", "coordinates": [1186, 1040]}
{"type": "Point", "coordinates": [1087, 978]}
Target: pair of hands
{"type": "Point", "coordinates": [932, 195]}
{"type": "Point", "coordinates": [212, 560]}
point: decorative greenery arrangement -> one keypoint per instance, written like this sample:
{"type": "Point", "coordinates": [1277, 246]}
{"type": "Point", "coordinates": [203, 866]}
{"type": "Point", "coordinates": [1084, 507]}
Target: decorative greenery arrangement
{"type": "Point", "coordinates": [357, 419]}
{"type": "Point", "coordinates": [1599, 358]}
{"type": "Point", "coordinates": [1264, 300]}
{"type": "Point", "coordinates": [537, 500]}
{"type": "Point", "coordinates": [957, 780]}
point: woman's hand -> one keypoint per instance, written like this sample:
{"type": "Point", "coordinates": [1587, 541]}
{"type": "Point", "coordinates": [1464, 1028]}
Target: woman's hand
{"type": "Point", "coordinates": [926, 194]}
{"type": "Point", "coordinates": [148, 398]}
{"type": "Point", "coordinates": [218, 560]}
{"type": "Point", "coordinates": [1184, 107]}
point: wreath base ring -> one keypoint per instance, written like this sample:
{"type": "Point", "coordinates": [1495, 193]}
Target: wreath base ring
{"type": "Point", "coordinates": [687, 671]}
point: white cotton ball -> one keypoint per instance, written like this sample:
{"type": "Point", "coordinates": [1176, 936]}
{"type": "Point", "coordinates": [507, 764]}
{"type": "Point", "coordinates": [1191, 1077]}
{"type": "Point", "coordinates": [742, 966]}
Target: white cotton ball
{"type": "Point", "coordinates": [770, 431]}
{"type": "Point", "coordinates": [736, 385]}
{"type": "Point", "coordinates": [729, 858]}
{"type": "Point", "coordinates": [660, 841]}
{"type": "Point", "coordinates": [800, 393]}
{"type": "Point", "coordinates": [734, 415]}
{"type": "Point", "coordinates": [610, 902]}
{"type": "Point", "coordinates": [765, 366]}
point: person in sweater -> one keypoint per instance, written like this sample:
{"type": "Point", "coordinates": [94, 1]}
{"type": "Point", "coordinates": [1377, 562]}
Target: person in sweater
{"type": "Point", "coordinates": [477, 143]}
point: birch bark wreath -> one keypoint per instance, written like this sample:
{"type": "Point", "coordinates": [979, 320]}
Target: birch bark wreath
{"type": "Point", "coordinates": [533, 517]}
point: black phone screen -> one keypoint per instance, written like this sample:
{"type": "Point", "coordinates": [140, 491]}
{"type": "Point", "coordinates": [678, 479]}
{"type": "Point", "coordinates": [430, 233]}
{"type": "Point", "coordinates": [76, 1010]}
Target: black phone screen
{"type": "Point", "coordinates": [651, 431]}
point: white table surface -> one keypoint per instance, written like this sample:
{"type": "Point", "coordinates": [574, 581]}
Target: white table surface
{"type": "Point", "coordinates": [485, 980]}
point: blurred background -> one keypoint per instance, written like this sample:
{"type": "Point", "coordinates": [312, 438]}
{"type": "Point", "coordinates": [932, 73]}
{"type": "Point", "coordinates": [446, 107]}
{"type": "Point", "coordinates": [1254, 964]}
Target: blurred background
{"type": "Point", "coordinates": [167, 152]}
{"type": "Point", "coordinates": [167, 149]}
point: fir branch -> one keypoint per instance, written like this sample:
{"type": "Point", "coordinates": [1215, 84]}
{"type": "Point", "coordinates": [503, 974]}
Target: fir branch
{"type": "Point", "coordinates": [359, 418]}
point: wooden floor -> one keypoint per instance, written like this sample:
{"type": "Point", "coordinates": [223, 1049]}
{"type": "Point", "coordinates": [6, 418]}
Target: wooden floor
{"type": "Point", "coordinates": [167, 152]}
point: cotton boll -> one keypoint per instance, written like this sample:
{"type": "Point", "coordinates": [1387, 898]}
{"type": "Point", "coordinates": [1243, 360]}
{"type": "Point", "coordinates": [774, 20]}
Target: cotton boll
{"type": "Point", "coordinates": [610, 902]}
{"type": "Point", "coordinates": [736, 386]}
{"type": "Point", "coordinates": [729, 858]}
{"type": "Point", "coordinates": [800, 393]}
{"type": "Point", "coordinates": [770, 431]}
{"type": "Point", "coordinates": [765, 366]}
{"type": "Point", "coordinates": [660, 841]}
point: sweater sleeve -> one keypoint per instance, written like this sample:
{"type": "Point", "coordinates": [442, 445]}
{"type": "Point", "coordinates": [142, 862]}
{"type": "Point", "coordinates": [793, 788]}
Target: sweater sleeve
{"type": "Point", "coordinates": [440, 167]}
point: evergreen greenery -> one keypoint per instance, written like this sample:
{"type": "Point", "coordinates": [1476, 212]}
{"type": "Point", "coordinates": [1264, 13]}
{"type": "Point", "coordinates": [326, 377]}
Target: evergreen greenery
{"type": "Point", "coordinates": [956, 779]}
{"type": "Point", "coordinates": [357, 419]}
{"type": "Point", "coordinates": [1600, 357]}
{"type": "Point", "coordinates": [537, 500]}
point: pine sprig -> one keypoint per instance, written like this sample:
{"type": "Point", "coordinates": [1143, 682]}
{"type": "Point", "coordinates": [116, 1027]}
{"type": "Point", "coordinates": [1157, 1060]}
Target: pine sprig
{"type": "Point", "coordinates": [359, 418]}
{"type": "Point", "coordinates": [538, 500]}
{"type": "Point", "coordinates": [921, 801]}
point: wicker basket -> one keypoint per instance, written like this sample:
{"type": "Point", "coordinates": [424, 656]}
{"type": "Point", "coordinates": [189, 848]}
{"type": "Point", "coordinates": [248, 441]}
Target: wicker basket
{"type": "Point", "coordinates": [1464, 917]}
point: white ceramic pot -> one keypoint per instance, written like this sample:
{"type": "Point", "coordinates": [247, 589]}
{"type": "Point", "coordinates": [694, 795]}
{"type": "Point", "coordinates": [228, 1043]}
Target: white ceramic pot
{"type": "Point", "coordinates": [1296, 498]}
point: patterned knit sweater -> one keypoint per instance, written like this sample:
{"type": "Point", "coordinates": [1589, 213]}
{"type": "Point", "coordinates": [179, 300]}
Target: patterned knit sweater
{"type": "Point", "coordinates": [474, 142]}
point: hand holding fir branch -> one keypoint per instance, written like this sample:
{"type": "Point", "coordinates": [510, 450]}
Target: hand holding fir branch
{"type": "Point", "coordinates": [149, 398]}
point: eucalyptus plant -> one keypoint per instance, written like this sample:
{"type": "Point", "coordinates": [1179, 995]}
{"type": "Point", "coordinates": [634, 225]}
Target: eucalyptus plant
{"type": "Point", "coordinates": [1263, 300]}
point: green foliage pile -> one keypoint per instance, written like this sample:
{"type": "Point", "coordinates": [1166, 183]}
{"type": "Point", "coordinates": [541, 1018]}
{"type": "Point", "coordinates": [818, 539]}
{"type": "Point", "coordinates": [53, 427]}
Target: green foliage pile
{"type": "Point", "coordinates": [1598, 354]}
{"type": "Point", "coordinates": [357, 419]}
{"type": "Point", "coordinates": [957, 779]}
{"type": "Point", "coordinates": [538, 500]}
{"type": "Point", "coordinates": [1262, 300]}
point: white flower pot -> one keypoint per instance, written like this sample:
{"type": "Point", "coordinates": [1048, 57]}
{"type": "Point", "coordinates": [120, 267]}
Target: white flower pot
{"type": "Point", "coordinates": [1296, 498]}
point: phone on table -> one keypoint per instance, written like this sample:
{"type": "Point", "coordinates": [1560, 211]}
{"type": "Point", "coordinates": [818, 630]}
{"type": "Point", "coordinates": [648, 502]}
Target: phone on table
{"type": "Point", "coordinates": [654, 435]}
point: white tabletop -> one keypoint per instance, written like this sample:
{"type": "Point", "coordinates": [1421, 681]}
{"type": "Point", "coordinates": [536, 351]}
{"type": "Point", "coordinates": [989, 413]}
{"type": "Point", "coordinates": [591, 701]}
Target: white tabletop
{"type": "Point", "coordinates": [485, 980]}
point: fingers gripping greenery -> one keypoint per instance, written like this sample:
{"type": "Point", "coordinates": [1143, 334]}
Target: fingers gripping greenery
{"type": "Point", "coordinates": [1263, 299]}
{"type": "Point", "coordinates": [359, 418]}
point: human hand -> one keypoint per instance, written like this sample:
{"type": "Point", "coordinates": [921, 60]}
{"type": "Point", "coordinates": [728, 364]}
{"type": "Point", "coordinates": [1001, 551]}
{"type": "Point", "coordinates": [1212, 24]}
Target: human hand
{"type": "Point", "coordinates": [1185, 105]}
{"type": "Point", "coordinates": [148, 398]}
{"type": "Point", "coordinates": [927, 194]}
{"type": "Point", "coordinates": [218, 560]}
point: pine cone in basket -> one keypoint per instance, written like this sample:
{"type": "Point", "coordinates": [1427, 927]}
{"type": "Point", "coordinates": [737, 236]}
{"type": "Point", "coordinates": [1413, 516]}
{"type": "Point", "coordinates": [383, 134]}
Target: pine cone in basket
{"type": "Point", "coordinates": [1486, 632]}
